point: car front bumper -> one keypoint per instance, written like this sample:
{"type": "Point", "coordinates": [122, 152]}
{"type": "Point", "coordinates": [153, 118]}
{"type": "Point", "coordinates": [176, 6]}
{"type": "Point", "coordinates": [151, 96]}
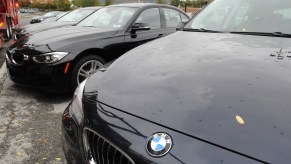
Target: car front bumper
{"type": "Point", "coordinates": [50, 78]}
{"type": "Point", "coordinates": [70, 139]}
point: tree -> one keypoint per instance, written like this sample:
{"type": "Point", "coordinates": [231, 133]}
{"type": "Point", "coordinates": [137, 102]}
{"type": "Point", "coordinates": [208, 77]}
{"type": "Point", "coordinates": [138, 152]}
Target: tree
{"type": "Point", "coordinates": [77, 3]}
{"type": "Point", "coordinates": [175, 3]}
{"type": "Point", "coordinates": [87, 3]}
{"type": "Point", "coordinates": [63, 5]}
{"type": "Point", "coordinates": [160, 1]}
{"type": "Point", "coordinates": [108, 2]}
{"type": "Point", "coordinates": [97, 3]}
{"type": "Point", "coordinates": [35, 4]}
{"type": "Point", "coordinates": [25, 3]}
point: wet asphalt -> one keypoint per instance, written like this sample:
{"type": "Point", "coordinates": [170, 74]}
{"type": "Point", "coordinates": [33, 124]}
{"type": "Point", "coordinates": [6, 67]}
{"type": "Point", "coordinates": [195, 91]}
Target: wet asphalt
{"type": "Point", "coordinates": [30, 120]}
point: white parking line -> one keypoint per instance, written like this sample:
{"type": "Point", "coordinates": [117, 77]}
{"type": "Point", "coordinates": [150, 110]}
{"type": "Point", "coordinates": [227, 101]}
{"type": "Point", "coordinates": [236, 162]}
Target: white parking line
{"type": "Point", "coordinates": [3, 70]}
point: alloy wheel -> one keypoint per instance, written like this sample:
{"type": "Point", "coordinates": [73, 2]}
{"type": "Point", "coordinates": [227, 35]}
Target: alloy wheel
{"type": "Point", "coordinates": [87, 69]}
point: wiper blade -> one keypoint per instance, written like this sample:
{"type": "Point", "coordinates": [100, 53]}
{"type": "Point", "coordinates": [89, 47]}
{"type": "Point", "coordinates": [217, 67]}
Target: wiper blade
{"type": "Point", "coordinates": [276, 34]}
{"type": "Point", "coordinates": [200, 30]}
{"type": "Point", "coordinates": [281, 34]}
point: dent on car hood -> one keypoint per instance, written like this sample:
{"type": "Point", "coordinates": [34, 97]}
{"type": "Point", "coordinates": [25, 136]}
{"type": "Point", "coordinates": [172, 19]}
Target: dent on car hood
{"type": "Point", "coordinates": [231, 90]}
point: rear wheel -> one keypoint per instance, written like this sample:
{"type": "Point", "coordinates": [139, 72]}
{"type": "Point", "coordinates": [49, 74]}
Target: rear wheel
{"type": "Point", "coordinates": [85, 67]}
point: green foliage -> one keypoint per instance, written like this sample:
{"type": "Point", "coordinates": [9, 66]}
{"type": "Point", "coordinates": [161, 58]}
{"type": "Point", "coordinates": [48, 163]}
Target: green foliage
{"type": "Point", "coordinates": [97, 3]}
{"type": "Point", "coordinates": [202, 2]}
{"type": "Point", "coordinates": [77, 3]}
{"type": "Point", "coordinates": [175, 3]}
{"type": "Point", "coordinates": [35, 4]}
{"type": "Point", "coordinates": [25, 3]}
{"type": "Point", "coordinates": [85, 3]}
{"type": "Point", "coordinates": [160, 1]}
{"type": "Point", "coordinates": [63, 5]}
{"type": "Point", "coordinates": [198, 3]}
{"type": "Point", "coordinates": [108, 2]}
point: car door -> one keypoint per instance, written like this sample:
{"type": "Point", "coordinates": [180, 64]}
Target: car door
{"type": "Point", "coordinates": [172, 19]}
{"type": "Point", "coordinates": [152, 16]}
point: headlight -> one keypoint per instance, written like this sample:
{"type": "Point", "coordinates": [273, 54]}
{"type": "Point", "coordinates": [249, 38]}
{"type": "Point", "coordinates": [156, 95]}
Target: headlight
{"type": "Point", "coordinates": [41, 19]}
{"type": "Point", "coordinates": [77, 104]}
{"type": "Point", "coordinates": [49, 58]}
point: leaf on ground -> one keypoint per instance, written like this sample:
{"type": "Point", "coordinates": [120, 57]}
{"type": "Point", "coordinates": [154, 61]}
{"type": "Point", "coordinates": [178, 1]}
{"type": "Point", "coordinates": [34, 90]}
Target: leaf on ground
{"type": "Point", "coordinates": [58, 159]}
{"type": "Point", "coordinates": [19, 154]}
{"type": "Point", "coordinates": [41, 140]}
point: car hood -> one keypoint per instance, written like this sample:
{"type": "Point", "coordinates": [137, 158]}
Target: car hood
{"type": "Point", "coordinates": [45, 26]}
{"type": "Point", "coordinates": [61, 37]}
{"type": "Point", "coordinates": [230, 90]}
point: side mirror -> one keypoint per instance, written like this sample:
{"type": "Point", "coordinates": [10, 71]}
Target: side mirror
{"type": "Point", "coordinates": [180, 26]}
{"type": "Point", "coordinates": [140, 27]}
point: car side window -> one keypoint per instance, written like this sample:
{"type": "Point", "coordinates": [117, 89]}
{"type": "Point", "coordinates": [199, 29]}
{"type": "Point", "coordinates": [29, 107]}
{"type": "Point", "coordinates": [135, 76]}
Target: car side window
{"type": "Point", "coordinates": [150, 16]}
{"type": "Point", "coordinates": [172, 17]}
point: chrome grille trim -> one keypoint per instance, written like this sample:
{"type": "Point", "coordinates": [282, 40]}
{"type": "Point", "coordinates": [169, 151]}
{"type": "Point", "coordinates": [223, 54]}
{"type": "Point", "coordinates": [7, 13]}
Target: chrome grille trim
{"type": "Point", "coordinates": [99, 149]}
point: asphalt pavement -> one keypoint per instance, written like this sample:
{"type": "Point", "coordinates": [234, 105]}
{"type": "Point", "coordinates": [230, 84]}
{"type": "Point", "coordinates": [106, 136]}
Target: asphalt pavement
{"type": "Point", "coordinates": [30, 120]}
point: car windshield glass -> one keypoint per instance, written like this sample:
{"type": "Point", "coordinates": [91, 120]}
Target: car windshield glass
{"type": "Point", "coordinates": [249, 16]}
{"type": "Point", "coordinates": [49, 14]}
{"type": "Point", "coordinates": [109, 17]}
{"type": "Point", "coordinates": [76, 15]}
{"type": "Point", "coordinates": [61, 14]}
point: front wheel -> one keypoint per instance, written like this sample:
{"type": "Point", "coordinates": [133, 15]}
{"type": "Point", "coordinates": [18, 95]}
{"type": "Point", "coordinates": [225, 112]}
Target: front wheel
{"type": "Point", "coordinates": [85, 67]}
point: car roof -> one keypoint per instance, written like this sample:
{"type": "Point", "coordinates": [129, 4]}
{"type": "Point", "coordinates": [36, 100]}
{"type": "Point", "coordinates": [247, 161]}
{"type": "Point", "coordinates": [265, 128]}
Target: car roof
{"type": "Point", "coordinates": [92, 7]}
{"type": "Point", "coordinates": [140, 5]}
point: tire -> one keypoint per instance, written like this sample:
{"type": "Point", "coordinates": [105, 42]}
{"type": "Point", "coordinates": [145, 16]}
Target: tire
{"type": "Point", "coordinates": [84, 68]}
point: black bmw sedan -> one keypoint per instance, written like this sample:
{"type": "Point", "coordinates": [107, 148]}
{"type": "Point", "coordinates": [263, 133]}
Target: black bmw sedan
{"type": "Point", "coordinates": [70, 19]}
{"type": "Point", "coordinates": [61, 58]}
{"type": "Point", "coordinates": [218, 91]}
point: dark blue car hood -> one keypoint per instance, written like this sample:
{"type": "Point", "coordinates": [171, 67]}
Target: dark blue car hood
{"type": "Point", "coordinates": [199, 83]}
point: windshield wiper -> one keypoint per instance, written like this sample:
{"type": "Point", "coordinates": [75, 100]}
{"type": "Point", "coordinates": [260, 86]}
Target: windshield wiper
{"type": "Point", "coordinates": [200, 30]}
{"type": "Point", "coordinates": [276, 34]}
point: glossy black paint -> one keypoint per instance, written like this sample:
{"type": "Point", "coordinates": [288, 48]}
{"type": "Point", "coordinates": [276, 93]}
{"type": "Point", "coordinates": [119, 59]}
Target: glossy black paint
{"type": "Point", "coordinates": [78, 41]}
{"type": "Point", "coordinates": [193, 91]}
{"type": "Point", "coordinates": [34, 28]}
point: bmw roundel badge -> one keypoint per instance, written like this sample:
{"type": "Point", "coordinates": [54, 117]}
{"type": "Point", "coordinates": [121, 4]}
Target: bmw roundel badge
{"type": "Point", "coordinates": [159, 144]}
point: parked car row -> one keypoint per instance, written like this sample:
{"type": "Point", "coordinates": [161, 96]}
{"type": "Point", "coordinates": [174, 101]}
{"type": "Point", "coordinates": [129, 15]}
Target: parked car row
{"type": "Point", "coordinates": [69, 19]}
{"type": "Point", "coordinates": [51, 14]}
{"type": "Point", "coordinates": [55, 58]}
{"type": "Point", "coordinates": [216, 91]}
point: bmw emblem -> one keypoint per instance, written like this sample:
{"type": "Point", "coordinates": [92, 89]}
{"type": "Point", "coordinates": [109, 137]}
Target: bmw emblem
{"type": "Point", "coordinates": [159, 144]}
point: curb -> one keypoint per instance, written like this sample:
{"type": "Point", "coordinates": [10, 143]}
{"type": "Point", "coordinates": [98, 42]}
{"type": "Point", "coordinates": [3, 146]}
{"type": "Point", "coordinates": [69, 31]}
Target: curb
{"type": "Point", "coordinates": [3, 70]}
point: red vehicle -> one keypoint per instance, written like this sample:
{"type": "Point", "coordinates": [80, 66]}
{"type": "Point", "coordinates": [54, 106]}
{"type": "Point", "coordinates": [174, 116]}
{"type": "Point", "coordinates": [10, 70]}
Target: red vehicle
{"type": "Point", "coordinates": [8, 18]}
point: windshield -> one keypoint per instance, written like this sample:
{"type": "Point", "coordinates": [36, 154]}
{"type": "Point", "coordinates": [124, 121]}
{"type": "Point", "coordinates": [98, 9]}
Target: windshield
{"type": "Point", "coordinates": [266, 16]}
{"type": "Point", "coordinates": [49, 14]}
{"type": "Point", "coordinates": [61, 14]}
{"type": "Point", "coordinates": [109, 17]}
{"type": "Point", "coordinates": [76, 15]}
